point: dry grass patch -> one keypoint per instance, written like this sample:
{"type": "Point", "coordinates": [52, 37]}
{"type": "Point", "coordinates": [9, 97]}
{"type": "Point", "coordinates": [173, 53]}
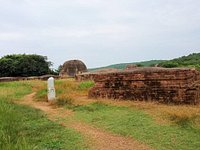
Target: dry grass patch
{"type": "Point", "coordinates": [68, 91]}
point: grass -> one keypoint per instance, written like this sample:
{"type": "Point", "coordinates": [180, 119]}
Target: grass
{"type": "Point", "coordinates": [160, 126]}
{"type": "Point", "coordinates": [47, 134]}
{"type": "Point", "coordinates": [26, 128]}
{"type": "Point", "coordinates": [64, 101]}
{"type": "Point", "coordinates": [65, 90]}
{"type": "Point", "coordinates": [14, 90]}
{"type": "Point", "coordinates": [136, 123]}
{"type": "Point", "coordinates": [86, 85]}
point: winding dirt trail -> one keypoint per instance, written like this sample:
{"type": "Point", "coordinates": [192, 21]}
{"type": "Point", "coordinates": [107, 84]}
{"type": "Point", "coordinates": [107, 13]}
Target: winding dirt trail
{"type": "Point", "coordinates": [96, 138]}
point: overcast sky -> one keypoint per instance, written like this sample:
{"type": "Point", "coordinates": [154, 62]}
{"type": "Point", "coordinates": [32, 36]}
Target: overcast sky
{"type": "Point", "coordinates": [100, 32]}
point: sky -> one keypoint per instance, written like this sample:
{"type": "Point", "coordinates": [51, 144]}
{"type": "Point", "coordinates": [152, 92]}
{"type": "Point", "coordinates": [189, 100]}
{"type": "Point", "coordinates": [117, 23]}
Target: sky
{"type": "Point", "coordinates": [100, 32]}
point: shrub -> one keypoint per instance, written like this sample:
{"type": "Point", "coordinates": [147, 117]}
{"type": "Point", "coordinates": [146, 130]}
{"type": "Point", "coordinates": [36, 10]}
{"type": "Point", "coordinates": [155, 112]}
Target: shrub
{"type": "Point", "coordinates": [170, 65]}
{"type": "Point", "coordinates": [192, 60]}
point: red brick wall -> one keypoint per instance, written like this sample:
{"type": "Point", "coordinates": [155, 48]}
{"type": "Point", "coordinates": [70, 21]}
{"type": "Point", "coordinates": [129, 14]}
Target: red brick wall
{"type": "Point", "coordinates": [179, 86]}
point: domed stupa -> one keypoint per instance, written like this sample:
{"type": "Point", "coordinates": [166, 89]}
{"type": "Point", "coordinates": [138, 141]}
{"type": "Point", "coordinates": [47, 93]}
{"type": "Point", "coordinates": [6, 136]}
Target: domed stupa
{"type": "Point", "coordinates": [72, 67]}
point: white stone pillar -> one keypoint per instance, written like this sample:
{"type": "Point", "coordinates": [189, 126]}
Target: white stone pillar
{"type": "Point", "coordinates": [51, 89]}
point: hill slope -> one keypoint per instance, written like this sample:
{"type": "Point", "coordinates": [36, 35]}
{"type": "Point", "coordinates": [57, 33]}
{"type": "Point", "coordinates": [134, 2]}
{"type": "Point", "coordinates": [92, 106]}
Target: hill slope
{"type": "Point", "coordinates": [192, 60]}
{"type": "Point", "coordinates": [123, 65]}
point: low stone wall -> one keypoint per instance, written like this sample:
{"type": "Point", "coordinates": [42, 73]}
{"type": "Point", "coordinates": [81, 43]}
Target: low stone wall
{"type": "Point", "coordinates": [179, 86]}
{"type": "Point", "coordinates": [9, 79]}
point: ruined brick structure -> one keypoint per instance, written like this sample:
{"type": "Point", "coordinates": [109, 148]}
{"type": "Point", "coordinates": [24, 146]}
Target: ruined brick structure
{"type": "Point", "coordinates": [44, 77]}
{"type": "Point", "coordinates": [72, 67]}
{"type": "Point", "coordinates": [178, 86]}
{"type": "Point", "coordinates": [91, 75]}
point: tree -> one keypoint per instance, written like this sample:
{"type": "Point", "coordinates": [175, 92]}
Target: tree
{"type": "Point", "coordinates": [170, 65]}
{"type": "Point", "coordinates": [192, 60]}
{"type": "Point", "coordinates": [24, 65]}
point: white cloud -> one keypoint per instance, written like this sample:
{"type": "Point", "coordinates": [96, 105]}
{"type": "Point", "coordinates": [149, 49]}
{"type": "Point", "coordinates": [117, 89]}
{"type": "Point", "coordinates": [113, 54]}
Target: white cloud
{"type": "Point", "coordinates": [6, 36]}
{"type": "Point", "coordinates": [100, 31]}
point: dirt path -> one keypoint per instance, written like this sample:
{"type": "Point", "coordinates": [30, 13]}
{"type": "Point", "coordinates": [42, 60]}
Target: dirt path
{"type": "Point", "coordinates": [97, 138]}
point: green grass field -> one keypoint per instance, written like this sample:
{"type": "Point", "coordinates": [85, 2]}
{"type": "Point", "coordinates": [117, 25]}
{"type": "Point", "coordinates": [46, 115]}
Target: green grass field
{"type": "Point", "coordinates": [135, 123]}
{"type": "Point", "coordinates": [182, 130]}
{"type": "Point", "coordinates": [159, 126]}
{"type": "Point", "coordinates": [26, 128]}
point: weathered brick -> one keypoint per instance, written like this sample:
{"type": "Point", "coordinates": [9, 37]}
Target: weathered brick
{"type": "Point", "coordinates": [179, 86]}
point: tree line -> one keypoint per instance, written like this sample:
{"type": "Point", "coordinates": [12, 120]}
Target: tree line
{"type": "Point", "coordinates": [192, 60]}
{"type": "Point", "coordinates": [24, 65]}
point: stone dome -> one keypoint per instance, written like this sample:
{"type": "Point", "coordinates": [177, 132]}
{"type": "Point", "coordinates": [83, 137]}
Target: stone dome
{"type": "Point", "coordinates": [72, 67]}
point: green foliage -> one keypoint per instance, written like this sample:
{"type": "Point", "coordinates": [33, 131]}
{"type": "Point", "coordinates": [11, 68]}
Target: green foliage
{"type": "Point", "coordinates": [139, 64]}
{"type": "Point", "coordinates": [135, 123]}
{"type": "Point", "coordinates": [192, 60]}
{"type": "Point", "coordinates": [24, 65]}
{"type": "Point", "coordinates": [170, 64]}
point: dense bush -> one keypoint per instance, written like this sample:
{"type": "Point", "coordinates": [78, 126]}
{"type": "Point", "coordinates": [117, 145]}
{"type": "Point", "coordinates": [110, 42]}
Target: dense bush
{"type": "Point", "coordinates": [170, 64]}
{"type": "Point", "coordinates": [24, 65]}
{"type": "Point", "coordinates": [192, 60]}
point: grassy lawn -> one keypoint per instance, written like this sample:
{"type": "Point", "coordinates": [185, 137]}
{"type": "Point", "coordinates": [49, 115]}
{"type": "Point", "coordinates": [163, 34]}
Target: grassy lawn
{"type": "Point", "coordinates": [136, 123]}
{"type": "Point", "coordinates": [26, 128]}
{"type": "Point", "coordinates": [181, 131]}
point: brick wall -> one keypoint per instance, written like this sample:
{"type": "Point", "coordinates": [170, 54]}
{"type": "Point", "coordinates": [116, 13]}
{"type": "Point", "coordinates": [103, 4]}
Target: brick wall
{"type": "Point", "coordinates": [85, 76]}
{"type": "Point", "coordinates": [179, 86]}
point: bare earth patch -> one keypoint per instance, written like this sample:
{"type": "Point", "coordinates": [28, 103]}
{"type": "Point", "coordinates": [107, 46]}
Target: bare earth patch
{"type": "Point", "coordinates": [97, 138]}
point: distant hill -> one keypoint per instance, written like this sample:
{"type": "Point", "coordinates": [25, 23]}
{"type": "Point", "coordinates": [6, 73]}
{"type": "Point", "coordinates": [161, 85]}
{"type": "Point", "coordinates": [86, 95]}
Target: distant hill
{"type": "Point", "coordinates": [123, 65]}
{"type": "Point", "coordinates": [192, 60]}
